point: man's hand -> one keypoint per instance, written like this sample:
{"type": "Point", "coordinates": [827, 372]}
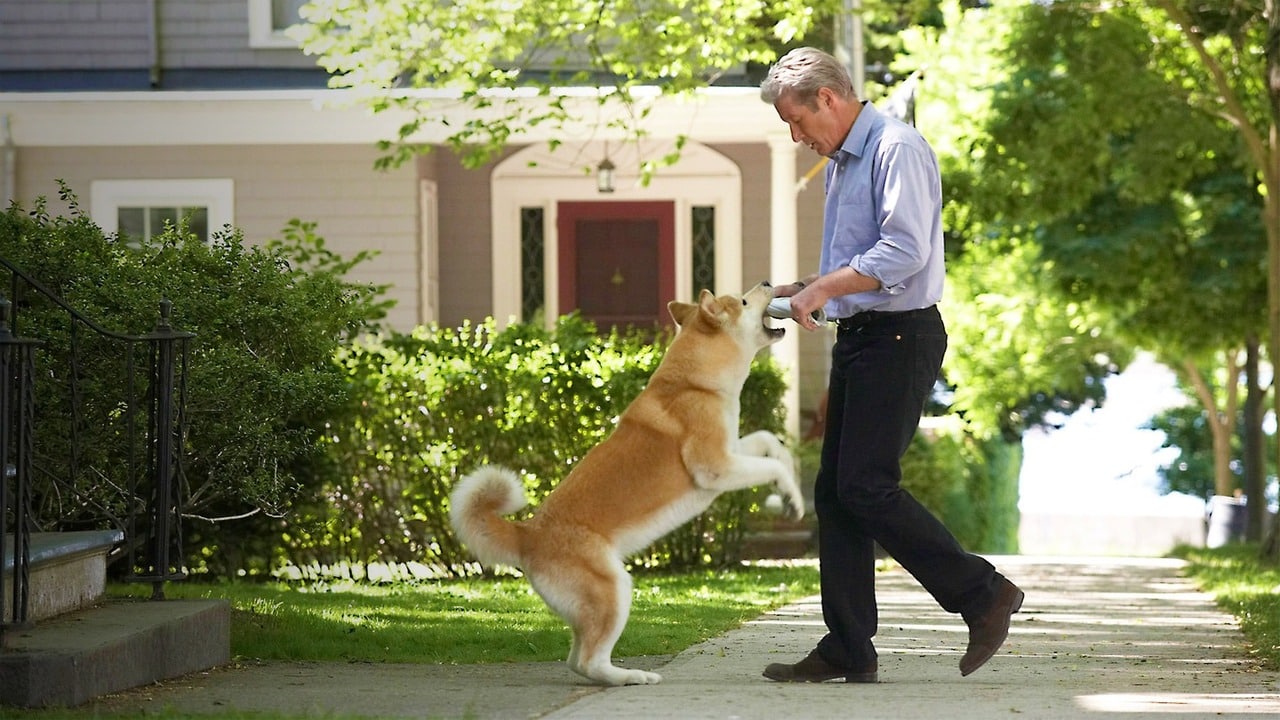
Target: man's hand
{"type": "Point", "coordinates": [789, 289]}
{"type": "Point", "coordinates": [804, 302]}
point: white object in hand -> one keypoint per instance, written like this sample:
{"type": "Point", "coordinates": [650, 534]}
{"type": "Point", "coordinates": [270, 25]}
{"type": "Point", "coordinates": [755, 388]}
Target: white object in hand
{"type": "Point", "coordinates": [781, 308]}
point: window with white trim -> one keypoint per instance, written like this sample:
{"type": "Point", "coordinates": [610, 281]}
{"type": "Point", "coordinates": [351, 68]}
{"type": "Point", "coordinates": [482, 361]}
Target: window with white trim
{"type": "Point", "coordinates": [141, 209]}
{"type": "Point", "coordinates": [268, 19]}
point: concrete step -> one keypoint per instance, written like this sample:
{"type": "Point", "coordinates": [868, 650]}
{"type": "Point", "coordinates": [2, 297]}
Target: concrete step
{"type": "Point", "coordinates": [68, 571]}
{"type": "Point", "coordinates": [117, 645]}
{"type": "Point", "coordinates": [779, 538]}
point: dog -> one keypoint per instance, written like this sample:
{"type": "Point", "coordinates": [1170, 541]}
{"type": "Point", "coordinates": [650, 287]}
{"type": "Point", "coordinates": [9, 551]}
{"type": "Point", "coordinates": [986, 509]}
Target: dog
{"type": "Point", "coordinates": [674, 450]}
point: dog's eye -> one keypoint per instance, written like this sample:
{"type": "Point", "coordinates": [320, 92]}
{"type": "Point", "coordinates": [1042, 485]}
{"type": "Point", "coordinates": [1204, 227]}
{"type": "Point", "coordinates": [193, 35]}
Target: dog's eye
{"type": "Point", "coordinates": [744, 302]}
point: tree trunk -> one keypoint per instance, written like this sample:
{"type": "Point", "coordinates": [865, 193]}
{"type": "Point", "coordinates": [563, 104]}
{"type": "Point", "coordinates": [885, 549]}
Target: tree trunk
{"type": "Point", "coordinates": [1255, 458]}
{"type": "Point", "coordinates": [1222, 421]}
{"type": "Point", "coordinates": [1271, 546]}
{"type": "Point", "coordinates": [1270, 172]}
{"type": "Point", "coordinates": [1271, 220]}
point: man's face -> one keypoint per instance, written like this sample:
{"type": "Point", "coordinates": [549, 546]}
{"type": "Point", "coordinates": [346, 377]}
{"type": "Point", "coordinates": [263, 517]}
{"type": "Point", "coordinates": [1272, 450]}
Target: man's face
{"type": "Point", "coordinates": [819, 127]}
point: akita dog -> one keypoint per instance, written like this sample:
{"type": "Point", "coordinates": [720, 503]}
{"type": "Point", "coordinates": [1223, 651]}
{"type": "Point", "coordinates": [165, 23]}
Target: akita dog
{"type": "Point", "coordinates": [675, 448]}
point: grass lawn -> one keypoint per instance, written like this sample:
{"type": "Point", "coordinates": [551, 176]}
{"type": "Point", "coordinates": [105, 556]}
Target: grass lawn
{"type": "Point", "coordinates": [1246, 588]}
{"type": "Point", "coordinates": [491, 621]}
{"type": "Point", "coordinates": [461, 622]}
{"type": "Point", "coordinates": [481, 621]}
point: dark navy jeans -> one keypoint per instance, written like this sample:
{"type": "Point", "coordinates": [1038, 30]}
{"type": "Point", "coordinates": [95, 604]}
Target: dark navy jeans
{"type": "Point", "coordinates": [883, 369]}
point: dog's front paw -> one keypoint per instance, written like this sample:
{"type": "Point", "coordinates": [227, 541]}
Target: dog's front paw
{"type": "Point", "coordinates": [763, 443]}
{"type": "Point", "coordinates": [795, 505]}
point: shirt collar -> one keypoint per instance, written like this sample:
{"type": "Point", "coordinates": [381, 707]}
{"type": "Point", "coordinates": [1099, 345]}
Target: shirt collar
{"type": "Point", "coordinates": [855, 143]}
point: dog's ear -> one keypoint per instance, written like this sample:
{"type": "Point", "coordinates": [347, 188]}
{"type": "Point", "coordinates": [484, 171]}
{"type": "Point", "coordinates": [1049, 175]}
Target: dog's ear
{"type": "Point", "coordinates": [681, 311]}
{"type": "Point", "coordinates": [710, 308]}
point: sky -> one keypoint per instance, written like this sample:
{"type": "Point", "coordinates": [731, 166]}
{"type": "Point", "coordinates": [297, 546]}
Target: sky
{"type": "Point", "coordinates": [1104, 453]}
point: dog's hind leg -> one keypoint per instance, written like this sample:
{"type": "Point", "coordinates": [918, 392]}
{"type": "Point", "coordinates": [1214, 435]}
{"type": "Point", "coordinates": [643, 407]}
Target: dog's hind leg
{"type": "Point", "coordinates": [598, 628]}
{"type": "Point", "coordinates": [595, 599]}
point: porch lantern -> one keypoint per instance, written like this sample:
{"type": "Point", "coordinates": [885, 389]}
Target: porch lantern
{"type": "Point", "coordinates": [604, 175]}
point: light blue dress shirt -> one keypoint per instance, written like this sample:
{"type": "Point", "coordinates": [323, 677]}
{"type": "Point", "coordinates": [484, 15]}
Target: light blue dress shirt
{"type": "Point", "coordinates": [883, 216]}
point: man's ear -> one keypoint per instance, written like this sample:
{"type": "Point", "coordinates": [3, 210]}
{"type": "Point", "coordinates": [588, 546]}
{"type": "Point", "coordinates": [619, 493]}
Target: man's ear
{"type": "Point", "coordinates": [826, 97]}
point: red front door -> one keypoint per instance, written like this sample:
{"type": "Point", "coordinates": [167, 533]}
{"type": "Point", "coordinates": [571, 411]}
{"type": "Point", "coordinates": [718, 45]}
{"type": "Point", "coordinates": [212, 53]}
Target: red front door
{"type": "Point", "coordinates": [617, 261]}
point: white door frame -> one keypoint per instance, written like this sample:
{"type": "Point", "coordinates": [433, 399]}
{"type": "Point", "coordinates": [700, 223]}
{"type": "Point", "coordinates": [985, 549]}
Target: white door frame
{"type": "Point", "coordinates": [539, 177]}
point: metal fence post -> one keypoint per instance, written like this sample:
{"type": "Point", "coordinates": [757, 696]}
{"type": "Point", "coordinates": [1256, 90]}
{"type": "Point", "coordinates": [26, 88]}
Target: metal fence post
{"type": "Point", "coordinates": [17, 408]}
{"type": "Point", "coordinates": [168, 400]}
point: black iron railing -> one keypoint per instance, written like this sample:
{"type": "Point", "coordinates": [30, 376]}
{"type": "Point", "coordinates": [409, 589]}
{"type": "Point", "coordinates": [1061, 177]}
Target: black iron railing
{"type": "Point", "coordinates": [17, 408]}
{"type": "Point", "coordinates": [94, 439]}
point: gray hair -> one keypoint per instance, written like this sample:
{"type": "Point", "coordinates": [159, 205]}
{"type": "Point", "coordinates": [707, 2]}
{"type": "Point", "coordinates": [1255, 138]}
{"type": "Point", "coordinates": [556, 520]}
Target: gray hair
{"type": "Point", "coordinates": [801, 73]}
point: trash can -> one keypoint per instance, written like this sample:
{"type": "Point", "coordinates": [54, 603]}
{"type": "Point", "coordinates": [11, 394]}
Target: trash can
{"type": "Point", "coordinates": [1228, 517]}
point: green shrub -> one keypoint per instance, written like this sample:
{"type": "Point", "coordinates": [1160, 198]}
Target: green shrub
{"type": "Point", "coordinates": [433, 405]}
{"type": "Point", "coordinates": [936, 470]}
{"type": "Point", "coordinates": [262, 385]}
{"type": "Point", "coordinates": [970, 484]}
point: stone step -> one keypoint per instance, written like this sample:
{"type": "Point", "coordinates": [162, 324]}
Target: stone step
{"type": "Point", "coordinates": [68, 571]}
{"type": "Point", "coordinates": [778, 544]}
{"type": "Point", "coordinates": [117, 645]}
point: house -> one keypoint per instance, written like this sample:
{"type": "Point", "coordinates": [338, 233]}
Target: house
{"type": "Point", "coordinates": [151, 108]}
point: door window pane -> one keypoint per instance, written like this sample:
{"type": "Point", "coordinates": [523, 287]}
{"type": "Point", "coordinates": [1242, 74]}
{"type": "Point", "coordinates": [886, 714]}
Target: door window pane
{"type": "Point", "coordinates": [704, 248]}
{"type": "Point", "coordinates": [532, 278]}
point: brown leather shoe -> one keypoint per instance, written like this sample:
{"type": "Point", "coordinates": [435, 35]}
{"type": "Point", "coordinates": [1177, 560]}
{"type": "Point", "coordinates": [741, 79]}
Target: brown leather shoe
{"type": "Point", "coordinates": [988, 631]}
{"type": "Point", "coordinates": [814, 669]}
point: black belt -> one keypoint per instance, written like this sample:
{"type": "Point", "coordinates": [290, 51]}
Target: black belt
{"type": "Point", "coordinates": [866, 317]}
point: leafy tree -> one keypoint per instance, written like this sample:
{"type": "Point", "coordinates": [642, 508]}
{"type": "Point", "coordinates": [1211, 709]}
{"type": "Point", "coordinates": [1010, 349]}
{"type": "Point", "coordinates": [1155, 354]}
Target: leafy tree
{"type": "Point", "coordinates": [1242, 86]}
{"type": "Point", "coordinates": [1181, 276]}
{"type": "Point", "coordinates": [1187, 429]}
{"type": "Point", "coordinates": [494, 68]}
{"type": "Point", "coordinates": [1021, 358]}
{"type": "Point", "coordinates": [1134, 201]}
{"type": "Point", "coordinates": [494, 61]}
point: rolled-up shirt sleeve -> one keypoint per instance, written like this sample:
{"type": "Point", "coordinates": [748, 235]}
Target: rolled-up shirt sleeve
{"type": "Point", "coordinates": [907, 188]}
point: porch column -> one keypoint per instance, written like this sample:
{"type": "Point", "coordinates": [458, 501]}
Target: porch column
{"type": "Point", "coordinates": [783, 263]}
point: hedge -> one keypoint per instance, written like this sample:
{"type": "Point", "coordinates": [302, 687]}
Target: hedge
{"type": "Point", "coordinates": [433, 405]}
{"type": "Point", "coordinates": [267, 319]}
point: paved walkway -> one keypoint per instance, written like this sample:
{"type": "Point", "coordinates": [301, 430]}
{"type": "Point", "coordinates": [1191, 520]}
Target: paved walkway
{"type": "Point", "coordinates": [1096, 636]}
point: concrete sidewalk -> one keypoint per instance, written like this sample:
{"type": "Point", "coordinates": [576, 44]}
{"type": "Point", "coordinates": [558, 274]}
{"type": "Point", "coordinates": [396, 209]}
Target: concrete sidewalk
{"type": "Point", "coordinates": [1096, 636]}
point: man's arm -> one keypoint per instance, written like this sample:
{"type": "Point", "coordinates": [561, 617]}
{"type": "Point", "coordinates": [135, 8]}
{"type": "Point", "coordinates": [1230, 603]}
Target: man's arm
{"type": "Point", "coordinates": [812, 292]}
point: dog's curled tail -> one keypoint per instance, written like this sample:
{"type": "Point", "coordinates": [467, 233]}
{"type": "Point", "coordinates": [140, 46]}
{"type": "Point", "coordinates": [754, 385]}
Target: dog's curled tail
{"type": "Point", "coordinates": [476, 508]}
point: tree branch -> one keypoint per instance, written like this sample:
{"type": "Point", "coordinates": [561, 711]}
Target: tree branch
{"type": "Point", "coordinates": [1234, 110]}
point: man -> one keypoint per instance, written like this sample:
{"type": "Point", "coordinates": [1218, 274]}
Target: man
{"type": "Point", "coordinates": [881, 276]}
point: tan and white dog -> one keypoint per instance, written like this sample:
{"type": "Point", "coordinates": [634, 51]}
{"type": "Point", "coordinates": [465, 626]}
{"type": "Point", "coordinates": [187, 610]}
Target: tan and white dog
{"type": "Point", "coordinates": [675, 448]}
